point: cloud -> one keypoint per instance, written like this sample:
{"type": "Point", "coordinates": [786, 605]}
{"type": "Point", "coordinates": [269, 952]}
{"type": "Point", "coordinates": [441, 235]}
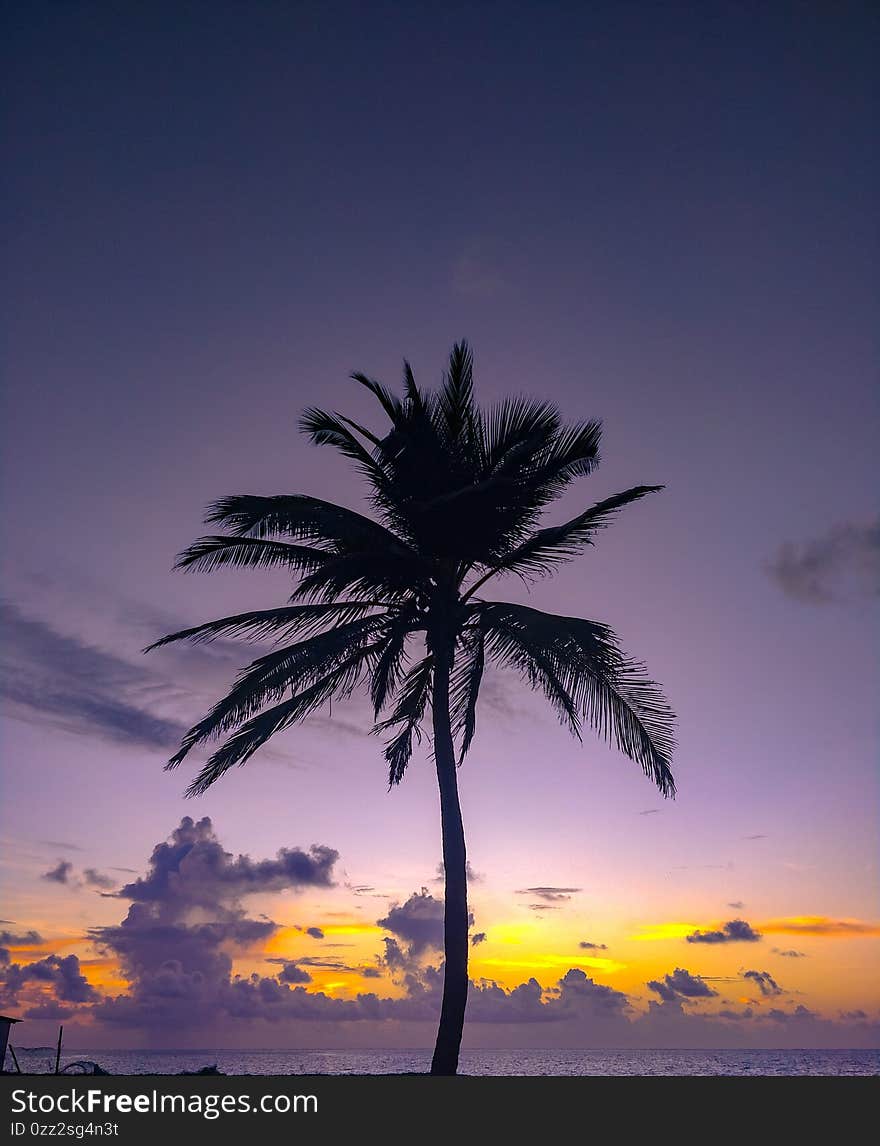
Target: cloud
{"type": "Point", "coordinates": [186, 922]}
{"type": "Point", "coordinates": [650, 812]}
{"type": "Point", "coordinates": [842, 564]}
{"type": "Point", "coordinates": [291, 973]}
{"type": "Point", "coordinates": [471, 875]}
{"type": "Point", "coordinates": [681, 984]}
{"type": "Point", "coordinates": [61, 845]}
{"type": "Point", "coordinates": [61, 873]}
{"type": "Point", "coordinates": [585, 946]}
{"type": "Point", "coordinates": [550, 894]}
{"type": "Point", "coordinates": [858, 1016]}
{"type": "Point", "coordinates": [20, 939]}
{"type": "Point", "coordinates": [821, 925]}
{"type": "Point", "coordinates": [789, 954]}
{"type": "Point", "coordinates": [764, 981]}
{"type": "Point", "coordinates": [97, 879]}
{"type": "Point", "coordinates": [734, 931]}
{"type": "Point", "coordinates": [418, 922]}
{"type": "Point", "coordinates": [479, 938]}
{"type": "Point", "coordinates": [544, 906]}
{"type": "Point", "coordinates": [315, 932]}
{"type": "Point", "coordinates": [758, 836]}
{"type": "Point", "coordinates": [191, 869]}
{"type": "Point", "coordinates": [59, 680]}
{"type": "Point", "coordinates": [800, 1014]}
{"type": "Point", "coordinates": [737, 905]}
{"type": "Point", "coordinates": [61, 976]}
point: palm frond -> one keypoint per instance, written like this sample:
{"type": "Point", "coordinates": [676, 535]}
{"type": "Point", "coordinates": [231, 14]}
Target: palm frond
{"type": "Point", "coordinates": [391, 663]}
{"type": "Point", "coordinates": [464, 686]}
{"type": "Point", "coordinates": [293, 667]}
{"type": "Point", "coordinates": [277, 624]}
{"type": "Point", "coordinates": [304, 518]}
{"type": "Point", "coordinates": [252, 735]}
{"type": "Point", "coordinates": [610, 691]}
{"type": "Point", "coordinates": [408, 712]}
{"type": "Point", "coordinates": [456, 398]}
{"type": "Point", "coordinates": [389, 402]}
{"type": "Point", "coordinates": [213, 552]}
{"type": "Point", "coordinates": [547, 548]}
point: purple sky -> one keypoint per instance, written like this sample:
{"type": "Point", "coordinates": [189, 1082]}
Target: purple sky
{"type": "Point", "coordinates": [661, 218]}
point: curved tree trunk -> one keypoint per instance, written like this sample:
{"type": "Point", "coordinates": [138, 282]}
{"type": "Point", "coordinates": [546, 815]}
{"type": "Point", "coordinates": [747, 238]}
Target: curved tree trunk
{"type": "Point", "coordinates": [455, 919]}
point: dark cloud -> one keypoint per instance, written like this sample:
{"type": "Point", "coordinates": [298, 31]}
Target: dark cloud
{"type": "Point", "coordinates": [418, 922]}
{"type": "Point", "coordinates": [59, 680]}
{"type": "Point", "coordinates": [759, 836]}
{"type": "Point", "coordinates": [479, 938]}
{"type": "Point", "coordinates": [800, 1014]}
{"type": "Point", "coordinates": [97, 879]}
{"type": "Point", "coordinates": [191, 869]}
{"type": "Point", "coordinates": [61, 873]}
{"type": "Point", "coordinates": [843, 564]}
{"type": "Point", "coordinates": [650, 812]}
{"type": "Point", "coordinates": [585, 946]}
{"type": "Point", "coordinates": [20, 938]}
{"type": "Point", "coordinates": [737, 905]}
{"type": "Point", "coordinates": [61, 845]}
{"type": "Point", "coordinates": [315, 932]}
{"type": "Point", "coordinates": [737, 1016]}
{"type": "Point", "coordinates": [681, 984]}
{"type": "Point", "coordinates": [62, 976]}
{"type": "Point", "coordinates": [764, 981]}
{"type": "Point", "coordinates": [186, 922]}
{"type": "Point", "coordinates": [789, 954]}
{"type": "Point", "coordinates": [858, 1016]}
{"type": "Point", "coordinates": [291, 973]}
{"type": "Point", "coordinates": [734, 931]}
{"type": "Point", "coordinates": [550, 894]}
{"type": "Point", "coordinates": [543, 907]}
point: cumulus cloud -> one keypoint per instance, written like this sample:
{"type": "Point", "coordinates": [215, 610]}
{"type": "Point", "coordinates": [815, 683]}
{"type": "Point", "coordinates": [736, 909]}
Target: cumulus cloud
{"type": "Point", "coordinates": [186, 922]}
{"type": "Point", "coordinates": [292, 973]}
{"type": "Point", "coordinates": [734, 931]}
{"type": "Point", "coordinates": [62, 977]}
{"type": "Point", "coordinates": [764, 981]}
{"type": "Point", "coordinates": [479, 938]}
{"type": "Point", "coordinates": [800, 1014]}
{"type": "Point", "coordinates": [418, 922]}
{"type": "Point", "coordinates": [315, 932]}
{"type": "Point", "coordinates": [681, 984]}
{"type": "Point", "coordinates": [191, 869]}
{"type": "Point", "coordinates": [842, 564]}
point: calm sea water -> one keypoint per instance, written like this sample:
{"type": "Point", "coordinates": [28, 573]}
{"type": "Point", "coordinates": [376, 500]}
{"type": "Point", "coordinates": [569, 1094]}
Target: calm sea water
{"type": "Point", "coordinates": [588, 1062]}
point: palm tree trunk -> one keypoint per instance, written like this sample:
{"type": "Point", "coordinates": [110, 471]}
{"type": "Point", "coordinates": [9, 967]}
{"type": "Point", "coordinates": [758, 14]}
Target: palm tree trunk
{"type": "Point", "coordinates": [455, 918]}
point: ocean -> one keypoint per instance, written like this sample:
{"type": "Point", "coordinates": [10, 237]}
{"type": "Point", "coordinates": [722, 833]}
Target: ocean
{"type": "Point", "coordinates": [504, 1063]}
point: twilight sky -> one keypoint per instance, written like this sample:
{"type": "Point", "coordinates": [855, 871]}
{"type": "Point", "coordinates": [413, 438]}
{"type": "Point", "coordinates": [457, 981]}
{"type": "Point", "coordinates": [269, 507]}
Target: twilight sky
{"type": "Point", "coordinates": [660, 216]}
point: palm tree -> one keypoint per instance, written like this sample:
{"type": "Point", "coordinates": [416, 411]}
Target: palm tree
{"type": "Point", "coordinates": [456, 493]}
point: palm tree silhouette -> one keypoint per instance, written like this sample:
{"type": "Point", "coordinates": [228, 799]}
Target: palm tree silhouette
{"type": "Point", "coordinates": [457, 493]}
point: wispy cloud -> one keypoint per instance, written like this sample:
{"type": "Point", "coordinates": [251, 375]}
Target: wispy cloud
{"type": "Point", "coordinates": [842, 564]}
{"type": "Point", "coordinates": [821, 925]}
{"type": "Point", "coordinates": [53, 678]}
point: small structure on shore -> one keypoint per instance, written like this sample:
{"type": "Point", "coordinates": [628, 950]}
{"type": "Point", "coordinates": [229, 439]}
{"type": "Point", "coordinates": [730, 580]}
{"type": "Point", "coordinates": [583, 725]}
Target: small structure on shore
{"type": "Point", "coordinates": [5, 1026]}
